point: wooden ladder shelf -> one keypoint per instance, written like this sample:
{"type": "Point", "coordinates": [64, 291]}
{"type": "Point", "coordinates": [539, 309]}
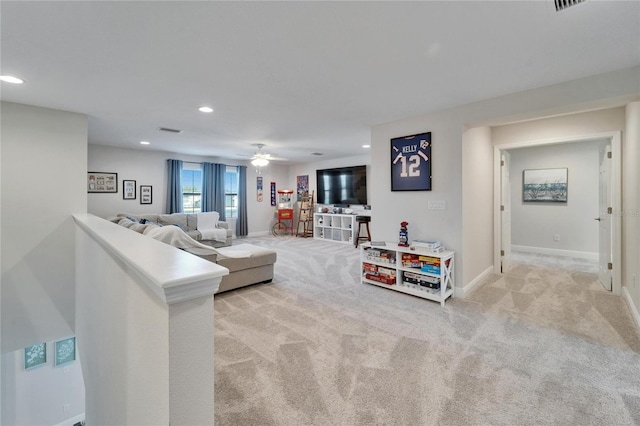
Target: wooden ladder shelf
{"type": "Point", "coordinates": [305, 216]}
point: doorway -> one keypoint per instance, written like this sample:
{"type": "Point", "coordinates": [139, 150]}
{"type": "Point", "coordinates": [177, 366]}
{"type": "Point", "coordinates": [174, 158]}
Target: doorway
{"type": "Point", "coordinates": [609, 188]}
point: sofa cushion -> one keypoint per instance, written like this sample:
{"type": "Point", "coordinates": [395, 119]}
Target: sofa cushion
{"type": "Point", "coordinates": [258, 256]}
{"type": "Point", "coordinates": [138, 227]}
{"type": "Point", "coordinates": [138, 217]}
{"type": "Point", "coordinates": [196, 235]}
{"type": "Point", "coordinates": [192, 222]}
{"type": "Point", "coordinates": [126, 222]}
{"type": "Point", "coordinates": [179, 219]}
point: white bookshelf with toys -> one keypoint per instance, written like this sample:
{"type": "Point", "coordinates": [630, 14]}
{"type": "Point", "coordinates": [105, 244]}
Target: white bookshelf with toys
{"type": "Point", "coordinates": [423, 270]}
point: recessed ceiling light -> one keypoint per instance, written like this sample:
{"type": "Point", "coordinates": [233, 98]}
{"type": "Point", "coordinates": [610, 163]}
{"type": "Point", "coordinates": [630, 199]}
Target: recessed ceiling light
{"type": "Point", "coordinates": [11, 79]}
{"type": "Point", "coordinates": [145, 143]}
{"type": "Point", "coordinates": [205, 109]}
{"type": "Point", "coordinates": [366, 146]}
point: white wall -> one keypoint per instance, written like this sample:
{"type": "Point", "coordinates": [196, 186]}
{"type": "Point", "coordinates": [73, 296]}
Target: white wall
{"type": "Point", "coordinates": [447, 129]}
{"type": "Point", "coordinates": [43, 170]}
{"type": "Point", "coordinates": [477, 200]}
{"type": "Point", "coordinates": [148, 167]}
{"type": "Point", "coordinates": [40, 394]}
{"type": "Point", "coordinates": [631, 206]}
{"type": "Point", "coordinates": [535, 224]}
{"type": "Point", "coordinates": [564, 126]}
{"type": "Point", "coordinates": [261, 215]}
{"type": "Point", "coordinates": [390, 208]}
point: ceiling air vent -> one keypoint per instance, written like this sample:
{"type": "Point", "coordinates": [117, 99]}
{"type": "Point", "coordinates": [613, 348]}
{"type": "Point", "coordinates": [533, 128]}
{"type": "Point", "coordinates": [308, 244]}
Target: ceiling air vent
{"type": "Point", "coordinates": [166, 129]}
{"type": "Point", "coordinates": [563, 4]}
{"type": "Point", "coordinates": [316, 153]}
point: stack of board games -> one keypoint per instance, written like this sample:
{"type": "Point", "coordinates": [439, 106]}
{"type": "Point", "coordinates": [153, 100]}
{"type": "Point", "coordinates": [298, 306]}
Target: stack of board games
{"type": "Point", "coordinates": [428, 264]}
{"type": "Point", "coordinates": [381, 256]}
{"type": "Point", "coordinates": [379, 274]}
{"type": "Point", "coordinates": [427, 246]}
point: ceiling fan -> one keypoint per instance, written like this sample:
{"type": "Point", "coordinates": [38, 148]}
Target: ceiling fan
{"type": "Point", "coordinates": [261, 158]}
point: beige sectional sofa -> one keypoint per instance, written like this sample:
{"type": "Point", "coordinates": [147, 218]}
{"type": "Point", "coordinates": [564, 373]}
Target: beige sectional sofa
{"type": "Point", "coordinates": [247, 264]}
{"type": "Point", "coordinates": [254, 269]}
{"type": "Point", "coordinates": [187, 222]}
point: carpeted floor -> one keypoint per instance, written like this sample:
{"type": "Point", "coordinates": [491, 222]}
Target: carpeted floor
{"type": "Point", "coordinates": [542, 344]}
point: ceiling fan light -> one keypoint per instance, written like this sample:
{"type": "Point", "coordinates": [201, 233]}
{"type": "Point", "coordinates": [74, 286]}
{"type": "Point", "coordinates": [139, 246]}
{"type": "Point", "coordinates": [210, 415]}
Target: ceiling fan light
{"type": "Point", "coordinates": [259, 162]}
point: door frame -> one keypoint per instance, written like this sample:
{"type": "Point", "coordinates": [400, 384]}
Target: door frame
{"type": "Point", "coordinates": [615, 138]}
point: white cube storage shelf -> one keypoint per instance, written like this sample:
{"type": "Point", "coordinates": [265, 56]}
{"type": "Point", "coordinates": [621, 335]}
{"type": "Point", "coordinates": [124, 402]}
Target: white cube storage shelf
{"type": "Point", "coordinates": [334, 227]}
{"type": "Point", "coordinates": [419, 273]}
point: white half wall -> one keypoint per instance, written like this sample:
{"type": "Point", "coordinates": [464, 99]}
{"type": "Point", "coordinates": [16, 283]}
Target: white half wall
{"type": "Point", "coordinates": [536, 224]}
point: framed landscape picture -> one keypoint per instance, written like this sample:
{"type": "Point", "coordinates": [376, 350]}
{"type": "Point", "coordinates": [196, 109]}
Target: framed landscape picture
{"type": "Point", "coordinates": [411, 163]}
{"type": "Point", "coordinates": [545, 185]}
{"type": "Point", "coordinates": [99, 182]}
{"type": "Point", "coordinates": [35, 356]}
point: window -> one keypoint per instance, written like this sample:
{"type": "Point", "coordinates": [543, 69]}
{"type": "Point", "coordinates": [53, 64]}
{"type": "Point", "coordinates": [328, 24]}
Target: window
{"type": "Point", "coordinates": [231, 192]}
{"type": "Point", "coordinates": [191, 187]}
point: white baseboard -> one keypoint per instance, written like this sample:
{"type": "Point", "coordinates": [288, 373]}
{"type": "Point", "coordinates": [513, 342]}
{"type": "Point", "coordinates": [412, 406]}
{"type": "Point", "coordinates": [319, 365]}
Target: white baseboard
{"type": "Point", "coordinates": [258, 234]}
{"type": "Point", "coordinates": [632, 307]}
{"type": "Point", "coordinates": [465, 291]}
{"type": "Point", "coordinates": [556, 252]}
{"type": "Point", "coordinates": [72, 421]}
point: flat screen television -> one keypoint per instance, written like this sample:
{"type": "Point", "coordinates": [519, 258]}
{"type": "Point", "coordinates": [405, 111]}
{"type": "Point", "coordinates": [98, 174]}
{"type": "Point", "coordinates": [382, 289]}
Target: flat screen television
{"type": "Point", "coordinates": [345, 185]}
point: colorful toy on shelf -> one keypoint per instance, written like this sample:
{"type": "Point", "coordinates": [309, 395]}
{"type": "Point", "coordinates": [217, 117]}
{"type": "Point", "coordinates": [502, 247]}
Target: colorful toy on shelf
{"type": "Point", "coordinates": [403, 236]}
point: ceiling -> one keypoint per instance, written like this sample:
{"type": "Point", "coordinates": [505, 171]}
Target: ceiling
{"type": "Point", "coordinates": [299, 77]}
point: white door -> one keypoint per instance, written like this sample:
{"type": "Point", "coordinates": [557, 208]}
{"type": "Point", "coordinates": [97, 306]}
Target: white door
{"type": "Point", "coordinates": [604, 218]}
{"type": "Point", "coordinates": [505, 212]}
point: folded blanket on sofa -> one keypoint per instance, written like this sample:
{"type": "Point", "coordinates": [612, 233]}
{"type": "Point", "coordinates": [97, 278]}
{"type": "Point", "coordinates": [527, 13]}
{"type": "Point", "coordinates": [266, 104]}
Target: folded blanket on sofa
{"type": "Point", "coordinates": [207, 226]}
{"type": "Point", "coordinates": [176, 237]}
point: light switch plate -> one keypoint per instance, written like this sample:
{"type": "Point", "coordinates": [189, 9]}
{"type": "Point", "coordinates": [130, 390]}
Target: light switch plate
{"type": "Point", "coordinates": [436, 205]}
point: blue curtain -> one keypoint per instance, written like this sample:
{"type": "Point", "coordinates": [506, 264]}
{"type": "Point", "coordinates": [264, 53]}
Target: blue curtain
{"type": "Point", "coordinates": [174, 186]}
{"type": "Point", "coordinates": [242, 225]}
{"type": "Point", "coordinates": [213, 188]}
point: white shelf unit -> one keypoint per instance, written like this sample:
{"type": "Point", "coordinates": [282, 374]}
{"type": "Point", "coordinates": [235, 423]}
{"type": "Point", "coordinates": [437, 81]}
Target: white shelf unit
{"type": "Point", "coordinates": [389, 258]}
{"type": "Point", "coordinates": [334, 227]}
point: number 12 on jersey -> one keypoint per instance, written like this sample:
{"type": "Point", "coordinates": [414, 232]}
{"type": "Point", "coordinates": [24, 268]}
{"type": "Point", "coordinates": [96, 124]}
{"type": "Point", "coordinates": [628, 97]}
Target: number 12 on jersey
{"type": "Point", "coordinates": [411, 163]}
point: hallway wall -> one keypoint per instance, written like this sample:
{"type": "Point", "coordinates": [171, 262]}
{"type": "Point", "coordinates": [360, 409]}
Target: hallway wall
{"type": "Point", "coordinates": [534, 224]}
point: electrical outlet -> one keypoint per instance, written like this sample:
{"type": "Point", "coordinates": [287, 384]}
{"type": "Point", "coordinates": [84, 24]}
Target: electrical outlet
{"type": "Point", "coordinates": [556, 238]}
{"type": "Point", "coordinates": [66, 408]}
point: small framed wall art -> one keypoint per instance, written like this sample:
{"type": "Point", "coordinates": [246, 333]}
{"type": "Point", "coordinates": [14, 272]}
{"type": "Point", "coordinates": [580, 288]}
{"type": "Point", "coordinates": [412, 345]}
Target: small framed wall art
{"type": "Point", "coordinates": [259, 188]}
{"type": "Point", "coordinates": [146, 194]}
{"type": "Point", "coordinates": [99, 182]}
{"type": "Point", "coordinates": [35, 356]}
{"type": "Point", "coordinates": [411, 163]}
{"type": "Point", "coordinates": [545, 185]}
{"type": "Point", "coordinates": [65, 351]}
{"type": "Point", "coordinates": [129, 189]}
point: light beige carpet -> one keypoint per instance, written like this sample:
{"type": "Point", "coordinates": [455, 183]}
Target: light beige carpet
{"type": "Point", "coordinates": [540, 345]}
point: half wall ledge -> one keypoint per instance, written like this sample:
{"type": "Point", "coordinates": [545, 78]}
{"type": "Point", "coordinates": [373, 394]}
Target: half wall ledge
{"type": "Point", "coordinates": [174, 275]}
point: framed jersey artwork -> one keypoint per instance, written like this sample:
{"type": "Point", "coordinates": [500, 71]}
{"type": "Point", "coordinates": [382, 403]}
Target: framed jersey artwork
{"type": "Point", "coordinates": [411, 163]}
